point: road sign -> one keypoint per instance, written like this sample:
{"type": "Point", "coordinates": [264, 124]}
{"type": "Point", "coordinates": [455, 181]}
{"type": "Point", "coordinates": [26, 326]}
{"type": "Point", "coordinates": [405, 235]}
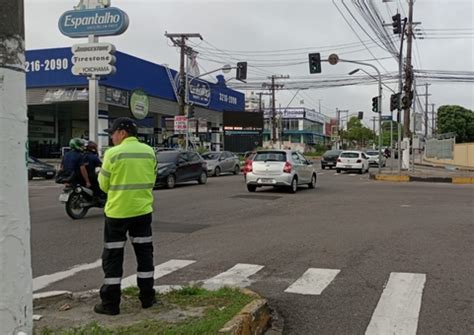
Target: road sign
{"type": "Point", "coordinates": [98, 22]}
{"type": "Point", "coordinates": [386, 118]}
{"type": "Point", "coordinates": [93, 59]}
{"type": "Point", "coordinates": [93, 69]}
{"type": "Point", "coordinates": [180, 124]}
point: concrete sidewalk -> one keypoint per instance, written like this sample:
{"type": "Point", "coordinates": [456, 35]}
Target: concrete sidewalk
{"type": "Point", "coordinates": [424, 172]}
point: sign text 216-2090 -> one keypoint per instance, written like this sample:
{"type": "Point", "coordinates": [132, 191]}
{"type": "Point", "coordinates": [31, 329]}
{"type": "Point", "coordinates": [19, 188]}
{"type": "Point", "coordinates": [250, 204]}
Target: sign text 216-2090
{"type": "Point", "coordinates": [47, 65]}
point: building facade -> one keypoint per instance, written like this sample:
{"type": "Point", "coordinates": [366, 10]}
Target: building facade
{"type": "Point", "coordinates": [58, 107]}
{"type": "Point", "coordinates": [296, 128]}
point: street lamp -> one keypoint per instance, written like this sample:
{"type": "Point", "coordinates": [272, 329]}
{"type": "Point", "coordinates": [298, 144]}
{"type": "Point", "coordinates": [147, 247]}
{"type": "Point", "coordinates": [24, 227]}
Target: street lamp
{"type": "Point", "coordinates": [333, 59]}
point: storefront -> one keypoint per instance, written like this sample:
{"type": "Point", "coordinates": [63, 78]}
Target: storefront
{"type": "Point", "coordinates": [58, 100]}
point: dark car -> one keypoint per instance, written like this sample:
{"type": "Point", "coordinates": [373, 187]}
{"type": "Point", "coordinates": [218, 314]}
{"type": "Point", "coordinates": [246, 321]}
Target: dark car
{"type": "Point", "coordinates": [329, 158]}
{"type": "Point", "coordinates": [36, 168]}
{"type": "Point", "coordinates": [180, 166]}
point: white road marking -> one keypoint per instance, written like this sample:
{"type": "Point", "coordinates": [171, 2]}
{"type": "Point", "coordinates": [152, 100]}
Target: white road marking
{"type": "Point", "coordinates": [50, 294]}
{"type": "Point", "coordinates": [236, 276]}
{"type": "Point", "coordinates": [399, 306]}
{"type": "Point", "coordinates": [161, 270]}
{"type": "Point", "coordinates": [46, 280]}
{"type": "Point", "coordinates": [313, 281]}
{"type": "Point", "coordinates": [352, 174]}
{"type": "Point", "coordinates": [406, 206]}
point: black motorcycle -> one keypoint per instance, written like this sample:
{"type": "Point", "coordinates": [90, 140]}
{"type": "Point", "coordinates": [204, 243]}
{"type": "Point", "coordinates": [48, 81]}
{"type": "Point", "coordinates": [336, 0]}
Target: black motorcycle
{"type": "Point", "coordinates": [79, 199]}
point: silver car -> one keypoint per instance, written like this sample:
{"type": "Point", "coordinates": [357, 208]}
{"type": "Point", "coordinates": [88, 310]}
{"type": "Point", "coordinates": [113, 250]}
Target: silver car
{"type": "Point", "coordinates": [286, 168]}
{"type": "Point", "coordinates": [373, 158]}
{"type": "Point", "coordinates": [222, 161]}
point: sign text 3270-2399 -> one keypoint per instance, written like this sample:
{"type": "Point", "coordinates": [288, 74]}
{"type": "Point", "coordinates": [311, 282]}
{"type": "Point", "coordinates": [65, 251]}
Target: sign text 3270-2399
{"type": "Point", "coordinates": [227, 98]}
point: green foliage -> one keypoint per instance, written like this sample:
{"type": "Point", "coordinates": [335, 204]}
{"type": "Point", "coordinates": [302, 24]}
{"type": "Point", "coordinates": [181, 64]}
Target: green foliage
{"type": "Point", "coordinates": [456, 119]}
{"type": "Point", "coordinates": [357, 133]}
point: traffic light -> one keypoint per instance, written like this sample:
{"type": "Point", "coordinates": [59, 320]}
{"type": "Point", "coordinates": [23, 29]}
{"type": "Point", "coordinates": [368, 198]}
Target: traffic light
{"type": "Point", "coordinates": [314, 62]}
{"type": "Point", "coordinates": [375, 104]}
{"type": "Point", "coordinates": [397, 24]}
{"type": "Point", "coordinates": [360, 115]}
{"type": "Point", "coordinates": [241, 71]}
{"type": "Point", "coordinates": [394, 101]}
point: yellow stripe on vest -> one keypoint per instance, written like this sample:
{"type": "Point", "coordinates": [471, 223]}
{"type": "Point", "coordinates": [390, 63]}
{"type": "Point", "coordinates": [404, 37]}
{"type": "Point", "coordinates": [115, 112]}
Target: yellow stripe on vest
{"type": "Point", "coordinates": [136, 155]}
{"type": "Point", "coordinates": [130, 187]}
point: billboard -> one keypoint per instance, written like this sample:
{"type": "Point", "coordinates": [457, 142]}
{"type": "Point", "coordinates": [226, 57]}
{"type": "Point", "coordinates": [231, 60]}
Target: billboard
{"type": "Point", "coordinates": [243, 131]}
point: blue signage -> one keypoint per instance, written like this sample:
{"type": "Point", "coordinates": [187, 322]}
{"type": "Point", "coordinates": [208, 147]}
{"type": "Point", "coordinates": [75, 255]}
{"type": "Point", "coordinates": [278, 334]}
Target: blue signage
{"type": "Point", "coordinates": [52, 68]}
{"type": "Point", "coordinates": [386, 118]}
{"type": "Point", "coordinates": [98, 22]}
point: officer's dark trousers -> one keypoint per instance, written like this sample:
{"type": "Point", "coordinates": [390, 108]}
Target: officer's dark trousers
{"type": "Point", "coordinates": [115, 237]}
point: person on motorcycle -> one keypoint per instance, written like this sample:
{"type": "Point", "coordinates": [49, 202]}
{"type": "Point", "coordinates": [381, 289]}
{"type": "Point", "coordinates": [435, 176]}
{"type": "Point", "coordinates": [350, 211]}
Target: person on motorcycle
{"type": "Point", "coordinates": [91, 161]}
{"type": "Point", "coordinates": [71, 163]}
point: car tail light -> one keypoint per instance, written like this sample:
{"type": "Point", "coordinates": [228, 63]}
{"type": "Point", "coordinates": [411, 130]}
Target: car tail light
{"type": "Point", "coordinates": [339, 160]}
{"type": "Point", "coordinates": [248, 166]}
{"type": "Point", "coordinates": [359, 161]}
{"type": "Point", "coordinates": [287, 168]}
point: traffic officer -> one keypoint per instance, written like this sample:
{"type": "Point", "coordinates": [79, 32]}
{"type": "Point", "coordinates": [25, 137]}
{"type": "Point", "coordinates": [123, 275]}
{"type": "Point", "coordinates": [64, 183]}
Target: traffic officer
{"type": "Point", "coordinates": [128, 175]}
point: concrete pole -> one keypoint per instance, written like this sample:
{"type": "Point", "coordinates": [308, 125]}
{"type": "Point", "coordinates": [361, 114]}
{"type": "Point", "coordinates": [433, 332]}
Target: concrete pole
{"type": "Point", "coordinates": [16, 311]}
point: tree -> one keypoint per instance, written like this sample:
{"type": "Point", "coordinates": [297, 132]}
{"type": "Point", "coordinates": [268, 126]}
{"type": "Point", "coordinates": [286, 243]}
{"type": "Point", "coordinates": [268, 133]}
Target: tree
{"type": "Point", "coordinates": [357, 133]}
{"type": "Point", "coordinates": [456, 119]}
{"type": "Point", "coordinates": [386, 133]}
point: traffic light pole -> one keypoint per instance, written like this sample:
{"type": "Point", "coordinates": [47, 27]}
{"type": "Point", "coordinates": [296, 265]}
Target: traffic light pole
{"type": "Point", "coordinates": [379, 103]}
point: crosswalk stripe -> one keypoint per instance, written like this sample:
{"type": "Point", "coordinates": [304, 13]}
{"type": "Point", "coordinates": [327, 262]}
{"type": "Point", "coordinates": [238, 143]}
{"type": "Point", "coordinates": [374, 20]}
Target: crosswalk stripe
{"type": "Point", "coordinates": [398, 309]}
{"type": "Point", "coordinates": [313, 281]}
{"type": "Point", "coordinates": [237, 276]}
{"type": "Point", "coordinates": [161, 270]}
{"type": "Point", "coordinates": [46, 280]}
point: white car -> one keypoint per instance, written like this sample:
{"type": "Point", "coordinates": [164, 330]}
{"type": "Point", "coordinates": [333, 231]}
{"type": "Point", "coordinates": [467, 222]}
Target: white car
{"type": "Point", "coordinates": [285, 168]}
{"type": "Point", "coordinates": [373, 156]}
{"type": "Point", "coordinates": [352, 160]}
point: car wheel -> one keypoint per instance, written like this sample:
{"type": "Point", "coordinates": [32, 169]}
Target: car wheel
{"type": "Point", "coordinates": [170, 181]}
{"type": "Point", "coordinates": [312, 184]}
{"type": "Point", "coordinates": [294, 185]}
{"type": "Point", "coordinates": [30, 175]}
{"type": "Point", "coordinates": [338, 170]}
{"type": "Point", "coordinates": [217, 171]}
{"type": "Point", "coordinates": [361, 171]}
{"type": "Point", "coordinates": [323, 167]}
{"type": "Point", "coordinates": [237, 170]}
{"type": "Point", "coordinates": [251, 188]}
{"type": "Point", "coordinates": [202, 178]}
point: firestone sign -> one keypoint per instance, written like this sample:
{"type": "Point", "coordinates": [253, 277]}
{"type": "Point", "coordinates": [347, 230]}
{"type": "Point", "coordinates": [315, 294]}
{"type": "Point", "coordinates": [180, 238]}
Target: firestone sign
{"type": "Point", "coordinates": [98, 22]}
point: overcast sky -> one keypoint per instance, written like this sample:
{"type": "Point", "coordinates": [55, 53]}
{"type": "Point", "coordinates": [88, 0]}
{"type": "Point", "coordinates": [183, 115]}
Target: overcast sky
{"type": "Point", "coordinates": [265, 25]}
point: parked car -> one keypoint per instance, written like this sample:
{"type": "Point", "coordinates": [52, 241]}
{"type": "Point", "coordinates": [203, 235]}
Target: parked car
{"type": "Point", "coordinates": [373, 158]}
{"type": "Point", "coordinates": [36, 168]}
{"type": "Point", "coordinates": [223, 161]}
{"type": "Point", "coordinates": [286, 168]}
{"type": "Point", "coordinates": [329, 158]}
{"type": "Point", "coordinates": [180, 166]}
{"type": "Point", "coordinates": [352, 160]}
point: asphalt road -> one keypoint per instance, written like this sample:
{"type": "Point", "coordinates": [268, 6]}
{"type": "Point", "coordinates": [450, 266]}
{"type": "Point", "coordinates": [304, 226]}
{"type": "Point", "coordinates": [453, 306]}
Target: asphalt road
{"type": "Point", "coordinates": [365, 229]}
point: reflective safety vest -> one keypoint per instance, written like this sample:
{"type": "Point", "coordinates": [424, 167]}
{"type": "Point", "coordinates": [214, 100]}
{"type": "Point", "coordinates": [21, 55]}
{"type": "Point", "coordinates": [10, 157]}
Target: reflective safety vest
{"type": "Point", "coordinates": [128, 175]}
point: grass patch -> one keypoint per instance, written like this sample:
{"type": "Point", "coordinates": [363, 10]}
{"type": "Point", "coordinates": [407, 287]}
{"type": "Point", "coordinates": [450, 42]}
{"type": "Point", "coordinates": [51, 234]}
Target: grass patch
{"type": "Point", "coordinates": [218, 307]}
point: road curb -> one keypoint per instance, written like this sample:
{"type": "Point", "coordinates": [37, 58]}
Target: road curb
{"type": "Point", "coordinates": [254, 318]}
{"type": "Point", "coordinates": [428, 179]}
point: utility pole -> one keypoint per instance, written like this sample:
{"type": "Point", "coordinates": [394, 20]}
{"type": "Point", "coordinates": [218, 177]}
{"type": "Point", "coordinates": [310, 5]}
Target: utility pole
{"type": "Point", "coordinates": [16, 310]}
{"type": "Point", "coordinates": [179, 40]}
{"type": "Point", "coordinates": [272, 87]}
{"type": "Point", "coordinates": [408, 69]}
{"type": "Point", "coordinates": [433, 131]}
{"type": "Point", "coordinates": [260, 100]}
{"type": "Point", "coordinates": [426, 110]}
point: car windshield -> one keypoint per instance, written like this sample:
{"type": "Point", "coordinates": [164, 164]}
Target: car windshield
{"type": "Point", "coordinates": [210, 156]}
{"type": "Point", "coordinates": [167, 157]}
{"type": "Point", "coordinates": [372, 153]}
{"type": "Point", "coordinates": [350, 155]}
{"type": "Point", "coordinates": [332, 153]}
{"type": "Point", "coordinates": [270, 156]}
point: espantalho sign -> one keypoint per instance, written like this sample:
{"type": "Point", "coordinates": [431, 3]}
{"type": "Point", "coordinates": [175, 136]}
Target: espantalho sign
{"type": "Point", "coordinates": [98, 22]}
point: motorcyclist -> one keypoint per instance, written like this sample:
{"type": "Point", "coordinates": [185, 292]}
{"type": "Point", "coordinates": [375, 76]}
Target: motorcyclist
{"type": "Point", "coordinates": [91, 161]}
{"type": "Point", "coordinates": [387, 152]}
{"type": "Point", "coordinates": [71, 163]}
